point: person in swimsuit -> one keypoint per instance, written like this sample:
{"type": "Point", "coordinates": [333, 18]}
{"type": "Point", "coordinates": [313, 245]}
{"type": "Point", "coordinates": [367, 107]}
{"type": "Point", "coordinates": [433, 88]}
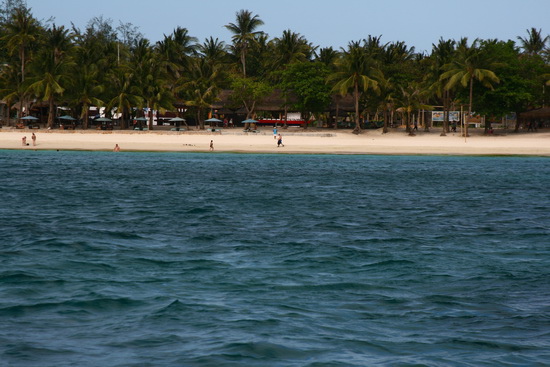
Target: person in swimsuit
{"type": "Point", "coordinates": [279, 141]}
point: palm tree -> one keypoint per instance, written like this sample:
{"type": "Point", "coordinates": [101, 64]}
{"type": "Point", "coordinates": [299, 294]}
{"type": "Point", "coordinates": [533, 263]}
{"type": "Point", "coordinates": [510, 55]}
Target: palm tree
{"type": "Point", "coordinates": [213, 51]}
{"type": "Point", "coordinates": [124, 95]}
{"type": "Point", "coordinates": [442, 54]}
{"type": "Point", "coordinates": [387, 98]}
{"type": "Point", "coordinates": [469, 65]}
{"type": "Point", "coordinates": [327, 55]}
{"type": "Point", "coordinates": [244, 33]}
{"type": "Point", "coordinates": [51, 69]}
{"type": "Point", "coordinates": [11, 88]}
{"type": "Point", "coordinates": [177, 48]}
{"type": "Point", "coordinates": [200, 88]}
{"type": "Point", "coordinates": [21, 32]}
{"type": "Point", "coordinates": [84, 90]}
{"type": "Point", "coordinates": [292, 47]}
{"type": "Point", "coordinates": [411, 99]}
{"type": "Point", "coordinates": [149, 75]}
{"type": "Point", "coordinates": [354, 70]}
{"type": "Point", "coordinates": [534, 43]}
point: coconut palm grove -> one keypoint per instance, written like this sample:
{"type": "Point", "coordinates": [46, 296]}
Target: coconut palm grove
{"type": "Point", "coordinates": [49, 70]}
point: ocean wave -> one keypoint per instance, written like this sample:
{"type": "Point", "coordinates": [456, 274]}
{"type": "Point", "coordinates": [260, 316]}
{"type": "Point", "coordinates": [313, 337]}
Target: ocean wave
{"type": "Point", "coordinates": [102, 305]}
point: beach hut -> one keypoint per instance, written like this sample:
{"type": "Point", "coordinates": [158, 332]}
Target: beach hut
{"type": "Point", "coordinates": [538, 118]}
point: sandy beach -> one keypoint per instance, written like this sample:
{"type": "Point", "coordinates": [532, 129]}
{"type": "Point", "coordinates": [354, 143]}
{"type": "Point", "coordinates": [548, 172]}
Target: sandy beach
{"type": "Point", "coordinates": [295, 141]}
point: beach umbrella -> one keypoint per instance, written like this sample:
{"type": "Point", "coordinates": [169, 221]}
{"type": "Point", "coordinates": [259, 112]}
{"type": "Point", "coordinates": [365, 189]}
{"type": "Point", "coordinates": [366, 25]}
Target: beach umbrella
{"type": "Point", "coordinates": [213, 119]}
{"type": "Point", "coordinates": [67, 117]}
{"type": "Point", "coordinates": [177, 119]}
{"type": "Point", "coordinates": [141, 119]}
{"type": "Point", "coordinates": [103, 119]}
{"type": "Point", "coordinates": [249, 121]}
{"type": "Point", "coordinates": [29, 118]}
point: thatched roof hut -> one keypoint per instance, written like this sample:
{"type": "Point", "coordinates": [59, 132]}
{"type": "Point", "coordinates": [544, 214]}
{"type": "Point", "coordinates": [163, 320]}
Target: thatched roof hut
{"type": "Point", "coordinates": [539, 113]}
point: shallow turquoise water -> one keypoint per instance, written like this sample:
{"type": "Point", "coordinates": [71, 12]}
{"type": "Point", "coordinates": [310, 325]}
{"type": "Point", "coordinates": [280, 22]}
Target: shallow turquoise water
{"type": "Point", "coordinates": [161, 259]}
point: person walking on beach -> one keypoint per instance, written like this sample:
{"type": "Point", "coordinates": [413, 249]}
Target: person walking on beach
{"type": "Point", "coordinates": [275, 132]}
{"type": "Point", "coordinates": [211, 145]}
{"type": "Point", "coordinates": [279, 141]}
{"type": "Point", "coordinates": [33, 139]}
{"type": "Point", "coordinates": [117, 148]}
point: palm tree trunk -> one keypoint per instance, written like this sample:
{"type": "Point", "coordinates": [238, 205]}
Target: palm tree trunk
{"type": "Point", "coordinates": [356, 97]}
{"type": "Point", "coordinates": [424, 122]}
{"type": "Point", "coordinates": [337, 114]}
{"type": "Point", "coordinates": [85, 123]}
{"type": "Point", "coordinates": [150, 116]}
{"type": "Point", "coordinates": [124, 119]}
{"type": "Point", "coordinates": [445, 128]}
{"type": "Point", "coordinates": [243, 61]}
{"type": "Point", "coordinates": [8, 110]}
{"type": "Point", "coordinates": [466, 125]}
{"type": "Point", "coordinates": [22, 57]}
{"type": "Point", "coordinates": [409, 129]}
{"type": "Point", "coordinates": [200, 122]}
{"type": "Point", "coordinates": [51, 112]}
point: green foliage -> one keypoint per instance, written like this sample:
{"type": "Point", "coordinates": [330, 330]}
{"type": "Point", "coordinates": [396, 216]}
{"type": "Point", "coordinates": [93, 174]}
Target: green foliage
{"type": "Point", "coordinates": [249, 92]}
{"type": "Point", "coordinates": [116, 67]}
{"type": "Point", "coordinates": [519, 85]}
{"type": "Point", "coordinates": [306, 82]}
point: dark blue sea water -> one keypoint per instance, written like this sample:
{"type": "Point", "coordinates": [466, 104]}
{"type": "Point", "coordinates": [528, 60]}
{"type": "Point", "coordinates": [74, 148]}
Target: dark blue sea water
{"type": "Point", "coordinates": [161, 259]}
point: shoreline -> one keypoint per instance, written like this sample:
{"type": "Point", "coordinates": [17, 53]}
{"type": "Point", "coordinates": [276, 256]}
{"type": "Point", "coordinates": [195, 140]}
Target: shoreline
{"type": "Point", "coordinates": [311, 141]}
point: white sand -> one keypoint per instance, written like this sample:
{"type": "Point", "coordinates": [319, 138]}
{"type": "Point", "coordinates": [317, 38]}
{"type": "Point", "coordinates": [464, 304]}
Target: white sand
{"type": "Point", "coordinates": [295, 141]}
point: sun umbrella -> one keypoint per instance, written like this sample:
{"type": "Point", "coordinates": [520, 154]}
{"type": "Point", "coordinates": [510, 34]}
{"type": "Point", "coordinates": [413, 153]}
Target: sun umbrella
{"type": "Point", "coordinates": [249, 121]}
{"type": "Point", "coordinates": [213, 119]}
{"type": "Point", "coordinates": [177, 119]}
{"type": "Point", "coordinates": [141, 119]}
{"type": "Point", "coordinates": [67, 117]}
{"type": "Point", "coordinates": [103, 119]}
{"type": "Point", "coordinates": [29, 118]}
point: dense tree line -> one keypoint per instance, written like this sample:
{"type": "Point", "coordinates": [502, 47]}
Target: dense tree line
{"type": "Point", "coordinates": [118, 68]}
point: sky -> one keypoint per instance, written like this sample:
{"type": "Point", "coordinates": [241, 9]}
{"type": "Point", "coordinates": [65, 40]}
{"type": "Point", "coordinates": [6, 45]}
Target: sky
{"type": "Point", "coordinates": [324, 23]}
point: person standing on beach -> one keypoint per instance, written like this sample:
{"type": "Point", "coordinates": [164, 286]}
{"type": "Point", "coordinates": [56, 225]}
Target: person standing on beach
{"type": "Point", "coordinates": [279, 141]}
{"type": "Point", "coordinates": [33, 139]}
{"type": "Point", "coordinates": [211, 145]}
{"type": "Point", "coordinates": [275, 132]}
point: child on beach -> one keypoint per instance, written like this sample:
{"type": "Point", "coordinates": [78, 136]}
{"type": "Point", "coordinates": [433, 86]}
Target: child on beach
{"type": "Point", "coordinates": [279, 141]}
{"type": "Point", "coordinates": [211, 145]}
{"type": "Point", "coordinates": [33, 139]}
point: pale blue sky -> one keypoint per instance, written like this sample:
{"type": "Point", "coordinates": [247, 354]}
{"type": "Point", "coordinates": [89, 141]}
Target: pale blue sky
{"type": "Point", "coordinates": [323, 22]}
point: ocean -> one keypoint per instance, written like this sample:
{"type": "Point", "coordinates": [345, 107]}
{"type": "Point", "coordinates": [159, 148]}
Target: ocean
{"type": "Point", "coordinates": [214, 259]}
